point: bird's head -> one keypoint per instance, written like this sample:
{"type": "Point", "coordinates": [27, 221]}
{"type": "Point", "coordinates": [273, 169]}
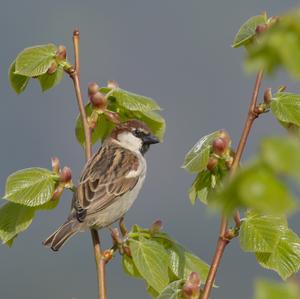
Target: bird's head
{"type": "Point", "coordinates": [134, 135]}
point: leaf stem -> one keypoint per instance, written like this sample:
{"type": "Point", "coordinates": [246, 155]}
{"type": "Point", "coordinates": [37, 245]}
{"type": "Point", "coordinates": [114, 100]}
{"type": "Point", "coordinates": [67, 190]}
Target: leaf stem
{"type": "Point", "coordinates": [74, 73]}
{"type": "Point", "coordinates": [223, 239]}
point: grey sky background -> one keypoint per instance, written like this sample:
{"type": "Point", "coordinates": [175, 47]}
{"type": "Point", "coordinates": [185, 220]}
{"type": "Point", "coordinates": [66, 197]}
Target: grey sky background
{"type": "Point", "coordinates": [177, 52]}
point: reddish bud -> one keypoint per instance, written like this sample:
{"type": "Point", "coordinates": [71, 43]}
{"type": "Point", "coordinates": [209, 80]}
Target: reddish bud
{"type": "Point", "coordinates": [224, 134]}
{"type": "Point", "coordinates": [219, 146]}
{"type": "Point", "coordinates": [212, 163]}
{"type": "Point", "coordinates": [127, 251]}
{"type": "Point", "coordinates": [268, 96]}
{"type": "Point", "coordinates": [156, 226]}
{"type": "Point", "coordinates": [66, 175]}
{"type": "Point", "coordinates": [93, 88]}
{"type": "Point", "coordinates": [191, 288]}
{"type": "Point", "coordinates": [55, 164]}
{"type": "Point", "coordinates": [112, 84]}
{"type": "Point", "coordinates": [52, 69]}
{"type": "Point", "coordinates": [61, 53]}
{"type": "Point", "coordinates": [98, 100]}
{"type": "Point", "coordinates": [261, 28]}
{"type": "Point", "coordinates": [57, 193]}
{"type": "Point", "coordinates": [113, 116]}
{"type": "Point", "coordinates": [107, 255]}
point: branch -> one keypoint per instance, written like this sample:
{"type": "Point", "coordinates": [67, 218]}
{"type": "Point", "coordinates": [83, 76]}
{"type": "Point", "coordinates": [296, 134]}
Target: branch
{"type": "Point", "coordinates": [224, 237]}
{"type": "Point", "coordinates": [74, 73]}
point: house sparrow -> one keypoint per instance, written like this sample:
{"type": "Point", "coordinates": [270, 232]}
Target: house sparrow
{"type": "Point", "coordinates": [110, 182]}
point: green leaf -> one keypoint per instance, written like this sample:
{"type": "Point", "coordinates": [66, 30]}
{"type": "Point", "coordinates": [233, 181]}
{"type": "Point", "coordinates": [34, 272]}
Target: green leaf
{"type": "Point", "coordinates": [48, 81]}
{"type": "Point", "coordinates": [247, 30]}
{"type": "Point", "coordinates": [181, 261]}
{"type": "Point", "coordinates": [153, 293]}
{"type": "Point", "coordinates": [286, 107]}
{"type": "Point", "coordinates": [102, 129]}
{"type": "Point", "coordinates": [261, 233]}
{"type": "Point", "coordinates": [254, 186]}
{"type": "Point", "coordinates": [30, 187]}
{"type": "Point", "coordinates": [202, 185]}
{"type": "Point", "coordinates": [14, 218]}
{"type": "Point", "coordinates": [285, 258]}
{"type": "Point", "coordinates": [35, 61]}
{"type": "Point", "coordinates": [17, 82]}
{"type": "Point", "coordinates": [282, 154]}
{"type": "Point", "coordinates": [133, 102]}
{"type": "Point", "coordinates": [129, 267]}
{"type": "Point", "coordinates": [197, 157]}
{"type": "Point", "coordinates": [265, 289]}
{"type": "Point", "coordinates": [172, 291]}
{"type": "Point", "coordinates": [151, 260]}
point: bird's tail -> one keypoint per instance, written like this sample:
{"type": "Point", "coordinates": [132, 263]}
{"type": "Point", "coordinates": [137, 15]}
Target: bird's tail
{"type": "Point", "coordinates": [62, 234]}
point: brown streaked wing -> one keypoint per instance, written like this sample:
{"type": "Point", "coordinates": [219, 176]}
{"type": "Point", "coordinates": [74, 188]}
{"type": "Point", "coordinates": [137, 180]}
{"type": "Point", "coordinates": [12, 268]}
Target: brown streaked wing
{"type": "Point", "coordinates": [104, 178]}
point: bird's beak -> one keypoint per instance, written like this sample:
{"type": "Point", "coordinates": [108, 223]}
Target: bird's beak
{"type": "Point", "coordinates": [150, 139]}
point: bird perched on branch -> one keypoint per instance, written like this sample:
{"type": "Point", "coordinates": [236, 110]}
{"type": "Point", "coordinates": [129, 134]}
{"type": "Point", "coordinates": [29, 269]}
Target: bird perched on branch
{"type": "Point", "coordinates": [110, 182]}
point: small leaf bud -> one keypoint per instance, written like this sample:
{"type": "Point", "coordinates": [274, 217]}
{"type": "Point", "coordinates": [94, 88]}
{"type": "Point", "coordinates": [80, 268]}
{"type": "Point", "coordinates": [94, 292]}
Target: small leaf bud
{"type": "Point", "coordinates": [107, 255]}
{"type": "Point", "coordinates": [212, 163]}
{"type": "Point", "coordinates": [156, 226]}
{"type": "Point", "coordinates": [191, 288]}
{"type": "Point", "coordinates": [55, 163]}
{"type": "Point", "coordinates": [219, 146]}
{"type": "Point", "coordinates": [52, 69]}
{"type": "Point", "coordinates": [66, 175]}
{"type": "Point", "coordinates": [282, 88]}
{"type": "Point", "coordinates": [93, 88]}
{"type": "Point", "coordinates": [61, 53]}
{"type": "Point", "coordinates": [261, 28]}
{"type": "Point", "coordinates": [57, 193]}
{"type": "Point", "coordinates": [113, 116]}
{"type": "Point", "coordinates": [112, 84]}
{"type": "Point", "coordinates": [127, 251]}
{"type": "Point", "coordinates": [224, 134]}
{"type": "Point", "coordinates": [98, 101]}
{"type": "Point", "coordinates": [268, 96]}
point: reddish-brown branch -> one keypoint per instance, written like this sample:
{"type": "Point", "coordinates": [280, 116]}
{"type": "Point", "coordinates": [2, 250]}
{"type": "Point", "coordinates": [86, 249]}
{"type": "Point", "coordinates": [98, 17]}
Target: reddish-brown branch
{"type": "Point", "coordinates": [74, 73]}
{"type": "Point", "coordinates": [223, 241]}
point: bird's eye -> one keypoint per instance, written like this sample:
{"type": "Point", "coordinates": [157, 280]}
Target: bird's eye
{"type": "Point", "coordinates": [137, 133]}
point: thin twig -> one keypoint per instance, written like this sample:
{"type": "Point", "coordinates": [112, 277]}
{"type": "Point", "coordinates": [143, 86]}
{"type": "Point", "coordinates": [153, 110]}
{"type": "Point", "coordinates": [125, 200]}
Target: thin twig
{"type": "Point", "coordinates": [74, 73]}
{"type": "Point", "coordinates": [223, 240]}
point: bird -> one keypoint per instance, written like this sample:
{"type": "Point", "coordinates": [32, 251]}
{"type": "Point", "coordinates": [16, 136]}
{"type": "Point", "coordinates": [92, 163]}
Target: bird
{"type": "Point", "coordinates": [110, 182]}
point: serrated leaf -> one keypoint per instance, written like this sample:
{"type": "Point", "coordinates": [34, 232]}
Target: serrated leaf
{"type": "Point", "coordinates": [17, 82]}
{"type": "Point", "coordinates": [30, 187]}
{"type": "Point", "coordinates": [48, 81]}
{"type": "Point", "coordinates": [35, 61]}
{"type": "Point", "coordinates": [265, 289]}
{"type": "Point", "coordinates": [285, 258]}
{"type": "Point", "coordinates": [282, 154]}
{"type": "Point", "coordinates": [260, 233]}
{"type": "Point", "coordinates": [129, 267]}
{"type": "Point", "coordinates": [197, 157]}
{"type": "Point", "coordinates": [14, 218]}
{"type": "Point", "coordinates": [247, 30]}
{"type": "Point", "coordinates": [181, 261]}
{"type": "Point", "coordinates": [286, 107]}
{"type": "Point", "coordinates": [172, 291]}
{"type": "Point", "coordinates": [151, 260]}
{"type": "Point", "coordinates": [132, 101]}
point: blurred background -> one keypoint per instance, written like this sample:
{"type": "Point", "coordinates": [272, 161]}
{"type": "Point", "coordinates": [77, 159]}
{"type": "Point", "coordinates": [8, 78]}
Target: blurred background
{"type": "Point", "coordinates": [177, 52]}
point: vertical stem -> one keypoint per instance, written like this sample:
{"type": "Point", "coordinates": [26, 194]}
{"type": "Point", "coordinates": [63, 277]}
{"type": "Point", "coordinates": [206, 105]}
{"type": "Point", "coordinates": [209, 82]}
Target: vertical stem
{"type": "Point", "coordinates": [75, 75]}
{"type": "Point", "coordinates": [223, 240]}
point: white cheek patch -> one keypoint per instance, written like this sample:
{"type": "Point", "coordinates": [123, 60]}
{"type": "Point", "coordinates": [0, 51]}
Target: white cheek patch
{"type": "Point", "coordinates": [129, 141]}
